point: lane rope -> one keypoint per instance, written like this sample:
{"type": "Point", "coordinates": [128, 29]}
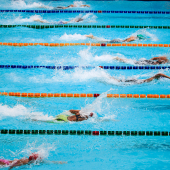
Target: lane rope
{"type": "Point", "coordinates": [84, 26]}
{"type": "Point", "coordinates": [76, 95]}
{"type": "Point", "coordinates": [88, 11]}
{"type": "Point", "coordinates": [86, 67]}
{"type": "Point", "coordinates": [85, 132]}
{"type": "Point", "coordinates": [84, 44]}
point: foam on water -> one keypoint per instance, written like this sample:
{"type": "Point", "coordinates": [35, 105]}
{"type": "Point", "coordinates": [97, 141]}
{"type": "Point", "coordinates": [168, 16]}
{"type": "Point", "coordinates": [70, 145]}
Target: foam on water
{"type": "Point", "coordinates": [32, 18]}
{"type": "Point", "coordinates": [21, 4]}
{"type": "Point", "coordinates": [22, 112]}
{"type": "Point", "coordinates": [85, 54]}
{"type": "Point", "coordinates": [69, 37]}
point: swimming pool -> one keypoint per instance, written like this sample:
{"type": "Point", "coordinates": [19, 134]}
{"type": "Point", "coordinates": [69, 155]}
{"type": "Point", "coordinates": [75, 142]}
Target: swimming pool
{"type": "Point", "coordinates": [111, 114]}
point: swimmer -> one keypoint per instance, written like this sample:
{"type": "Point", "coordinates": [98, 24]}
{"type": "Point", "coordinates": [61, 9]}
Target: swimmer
{"type": "Point", "coordinates": [74, 118]}
{"type": "Point", "coordinates": [71, 6]}
{"type": "Point", "coordinates": [19, 162]}
{"type": "Point", "coordinates": [137, 81]}
{"type": "Point", "coordinates": [152, 61]}
{"type": "Point", "coordinates": [77, 19]}
{"type": "Point", "coordinates": [132, 38]}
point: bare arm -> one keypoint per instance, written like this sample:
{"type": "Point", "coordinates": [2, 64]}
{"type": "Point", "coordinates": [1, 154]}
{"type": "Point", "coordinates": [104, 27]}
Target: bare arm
{"type": "Point", "coordinates": [19, 162]}
{"type": "Point", "coordinates": [132, 38]}
{"type": "Point", "coordinates": [157, 76]}
{"type": "Point", "coordinates": [91, 36]}
{"type": "Point", "coordinates": [85, 5]}
{"type": "Point", "coordinates": [115, 79]}
{"type": "Point", "coordinates": [120, 59]}
{"type": "Point", "coordinates": [42, 21]}
{"type": "Point", "coordinates": [74, 111]}
{"type": "Point", "coordinates": [158, 58]}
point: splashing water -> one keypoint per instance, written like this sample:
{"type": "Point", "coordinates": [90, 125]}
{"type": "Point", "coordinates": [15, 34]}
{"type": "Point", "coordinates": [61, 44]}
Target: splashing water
{"type": "Point", "coordinates": [31, 19]}
{"type": "Point", "coordinates": [146, 33]}
{"type": "Point", "coordinates": [43, 150]}
{"type": "Point", "coordinates": [22, 112]}
{"type": "Point", "coordinates": [78, 3]}
{"type": "Point", "coordinates": [21, 4]}
{"type": "Point", "coordinates": [75, 36]}
{"type": "Point", "coordinates": [85, 54]}
{"type": "Point", "coordinates": [101, 107]}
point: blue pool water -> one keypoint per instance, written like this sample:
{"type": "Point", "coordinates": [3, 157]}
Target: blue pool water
{"type": "Point", "coordinates": [83, 151]}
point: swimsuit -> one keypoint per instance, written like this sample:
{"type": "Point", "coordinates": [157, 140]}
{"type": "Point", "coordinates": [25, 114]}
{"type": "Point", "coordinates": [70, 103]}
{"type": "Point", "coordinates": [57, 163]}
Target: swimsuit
{"type": "Point", "coordinates": [136, 81]}
{"type": "Point", "coordinates": [61, 118]}
{"type": "Point", "coordinates": [115, 41]}
{"type": "Point", "coordinates": [145, 62]}
{"type": "Point", "coordinates": [60, 23]}
{"type": "Point", "coordinates": [77, 117]}
{"type": "Point", "coordinates": [5, 161]}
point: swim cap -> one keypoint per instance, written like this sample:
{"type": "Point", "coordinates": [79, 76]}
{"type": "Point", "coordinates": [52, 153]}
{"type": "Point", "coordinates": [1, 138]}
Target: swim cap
{"type": "Point", "coordinates": [91, 114]}
{"type": "Point", "coordinates": [141, 37]}
{"type": "Point", "coordinates": [33, 157]}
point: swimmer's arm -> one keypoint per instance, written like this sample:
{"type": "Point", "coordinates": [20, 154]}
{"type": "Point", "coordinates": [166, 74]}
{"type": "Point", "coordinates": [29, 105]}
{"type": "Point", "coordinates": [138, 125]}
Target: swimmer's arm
{"type": "Point", "coordinates": [120, 59]}
{"type": "Point", "coordinates": [19, 163]}
{"type": "Point", "coordinates": [132, 38]}
{"type": "Point", "coordinates": [55, 162]}
{"type": "Point", "coordinates": [161, 57]}
{"type": "Point", "coordinates": [115, 79]}
{"type": "Point", "coordinates": [42, 21]}
{"type": "Point", "coordinates": [74, 111]}
{"type": "Point", "coordinates": [85, 5]}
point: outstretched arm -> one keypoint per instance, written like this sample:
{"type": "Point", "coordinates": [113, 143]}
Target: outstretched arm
{"type": "Point", "coordinates": [120, 59]}
{"type": "Point", "coordinates": [91, 36]}
{"type": "Point", "coordinates": [132, 38]}
{"type": "Point", "coordinates": [157, 76]}
{"type": "Point", "coordinates": [19, 162]}
{"type": "Point", "coordinates": [42, 21]}
{"type": "Point", "coordinates": [160, 58]}
{"type": "Point", "coordinates": [74, 111]}
{"type": "Point", "coordinates": [85, 5]}
{"type": "Point", "coordinates": [115, 79]}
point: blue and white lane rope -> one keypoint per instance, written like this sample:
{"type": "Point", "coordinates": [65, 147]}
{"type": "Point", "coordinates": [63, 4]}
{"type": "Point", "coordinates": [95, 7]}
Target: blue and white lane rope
{"type": "Point", "coordinates": [86, 67]}
{"type": "Point", "coordinates": [88, 11]}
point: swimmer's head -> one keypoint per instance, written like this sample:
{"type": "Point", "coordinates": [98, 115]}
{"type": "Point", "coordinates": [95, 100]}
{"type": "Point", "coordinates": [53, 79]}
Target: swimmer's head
{"type": "Point", "coordinates": [33, 157]}
{"type": "Point", "coordinates": [141, 37]}
{"type": "Point", "coordinates": [91, 114]}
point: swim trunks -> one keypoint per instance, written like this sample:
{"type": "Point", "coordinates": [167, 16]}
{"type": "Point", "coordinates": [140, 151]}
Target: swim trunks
{"type": "Point", "coordinates": [61, 118]}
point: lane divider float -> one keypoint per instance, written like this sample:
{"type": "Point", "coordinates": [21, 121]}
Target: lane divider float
{"type": "Point", "coordinates": [84, 44]}
{"type": "Point", "coordinates": [85, 132]}
{"type": "Point", "coordinates": [86, 67]}
{"type": "Point", "coordinates": [85, 26]}
{"type": "Point", "coordinates": [76, 95]}
{"type": "Point", "coordinates": [88, 11]}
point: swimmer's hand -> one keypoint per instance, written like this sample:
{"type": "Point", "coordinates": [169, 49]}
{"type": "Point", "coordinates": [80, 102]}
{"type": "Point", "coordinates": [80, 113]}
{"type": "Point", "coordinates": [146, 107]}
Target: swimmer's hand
{"type": "Point", "coordinates": [55, 162]}
{"type": "Point", "coordinates": [89, 36]}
